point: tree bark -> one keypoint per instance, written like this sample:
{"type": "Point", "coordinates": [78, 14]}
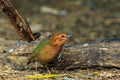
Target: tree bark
{"type": "Point", "coordinates": [96, 55]}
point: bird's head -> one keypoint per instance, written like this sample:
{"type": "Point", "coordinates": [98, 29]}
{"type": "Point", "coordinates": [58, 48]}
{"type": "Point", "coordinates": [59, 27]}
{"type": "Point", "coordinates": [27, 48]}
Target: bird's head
{"type": "Point", "coordinates": [59, 39]}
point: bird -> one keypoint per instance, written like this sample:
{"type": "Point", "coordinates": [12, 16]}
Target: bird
{"type": "Point", "coordinates": [48, 50]}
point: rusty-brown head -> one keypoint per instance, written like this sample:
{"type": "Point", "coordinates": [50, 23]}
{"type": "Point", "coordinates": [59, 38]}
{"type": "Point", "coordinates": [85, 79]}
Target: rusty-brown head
{"type": "Point", "coordinates": [59, 39]}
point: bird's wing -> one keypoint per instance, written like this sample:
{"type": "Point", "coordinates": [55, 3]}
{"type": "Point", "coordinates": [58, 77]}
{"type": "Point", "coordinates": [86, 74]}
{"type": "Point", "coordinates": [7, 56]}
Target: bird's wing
{"type": "Point", "coordinates": [39, 47]}
{"type": "Point", "coordinates": [36, 50]}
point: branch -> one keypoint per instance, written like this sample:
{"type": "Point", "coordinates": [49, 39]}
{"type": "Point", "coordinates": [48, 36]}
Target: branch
{"type": "Point", "coordinates": [20, 24]}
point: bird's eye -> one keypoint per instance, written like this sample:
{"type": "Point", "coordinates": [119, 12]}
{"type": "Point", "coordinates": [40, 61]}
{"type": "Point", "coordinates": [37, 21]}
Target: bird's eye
{"type": "Point", "coordinates": [62, 36]}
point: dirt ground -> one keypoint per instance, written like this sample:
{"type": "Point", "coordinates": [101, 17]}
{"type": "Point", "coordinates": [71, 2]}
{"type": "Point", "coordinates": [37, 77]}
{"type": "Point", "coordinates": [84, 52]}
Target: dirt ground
{"type": "Point", "coordinates": [86, 20]}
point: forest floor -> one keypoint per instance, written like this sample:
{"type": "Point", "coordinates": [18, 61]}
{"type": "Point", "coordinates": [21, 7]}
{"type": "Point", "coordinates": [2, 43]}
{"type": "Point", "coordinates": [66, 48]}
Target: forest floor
{"type": "Point", "coordinates": [87, 21]}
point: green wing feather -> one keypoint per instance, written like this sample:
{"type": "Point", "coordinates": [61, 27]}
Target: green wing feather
{"type": "Point", "coordinates": [40, 46]}
{"type": "Point", "coordinates": [37, 49]}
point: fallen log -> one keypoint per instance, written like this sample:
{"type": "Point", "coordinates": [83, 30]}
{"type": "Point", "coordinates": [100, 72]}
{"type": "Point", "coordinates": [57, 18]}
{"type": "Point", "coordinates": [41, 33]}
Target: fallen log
{"type": "Point", "coordinates": [94, 55]}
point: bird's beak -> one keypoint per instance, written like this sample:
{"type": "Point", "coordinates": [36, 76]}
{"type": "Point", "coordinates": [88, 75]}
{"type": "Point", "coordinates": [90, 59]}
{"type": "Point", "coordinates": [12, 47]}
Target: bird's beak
{"type": "Point", "coordinates": [69, 36]}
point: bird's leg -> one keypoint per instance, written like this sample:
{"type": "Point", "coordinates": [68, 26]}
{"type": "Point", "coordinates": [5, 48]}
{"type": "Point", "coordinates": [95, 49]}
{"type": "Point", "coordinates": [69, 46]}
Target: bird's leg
{"type": "Point", "coordinates": [36, 65]}
{"type": "Point", "coordinates": [47, 69]}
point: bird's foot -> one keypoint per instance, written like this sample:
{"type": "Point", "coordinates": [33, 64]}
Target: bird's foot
{"type": "Point", "coordinates": [47, 69]}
